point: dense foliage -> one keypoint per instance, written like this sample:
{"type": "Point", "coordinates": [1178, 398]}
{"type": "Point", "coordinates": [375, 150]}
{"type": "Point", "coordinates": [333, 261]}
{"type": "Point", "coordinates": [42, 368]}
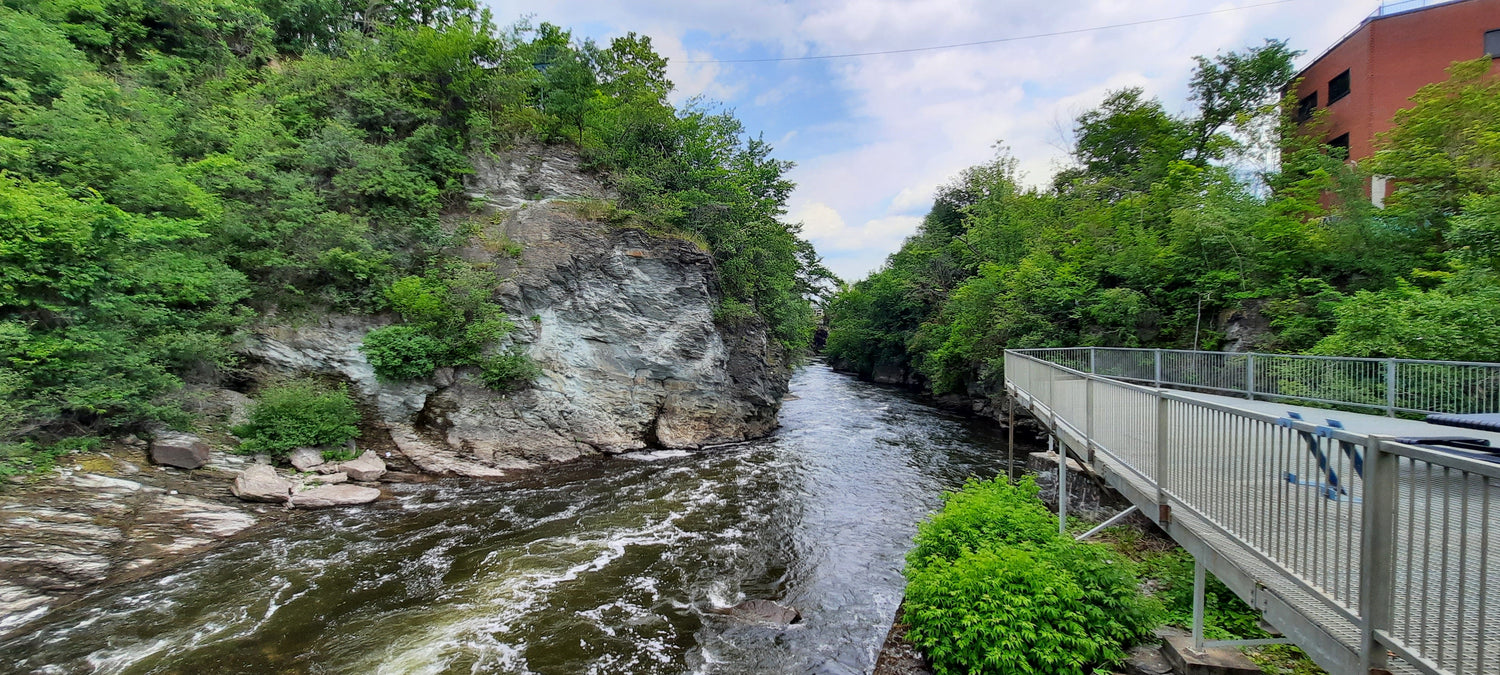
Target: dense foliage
{"type": "Point", "coordinates": [993, 588]}
{"type": "Point", "coordinates": [172, 170]}
{"type": "Point", "coordinates": [1152, 239]}
{"type": "Point", "coordinates": [297, 414]}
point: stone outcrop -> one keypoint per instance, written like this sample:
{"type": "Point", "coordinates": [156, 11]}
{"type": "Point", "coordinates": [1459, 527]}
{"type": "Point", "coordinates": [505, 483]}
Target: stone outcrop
{"type": "Point", "coordinates": [367, 467]}
{"type": "Point", "coordinates": [117, 519]}
{"type": "Point", "coordinates": [184, 451]}
{"type": "Point", "coordinates": [333, 495]}
{"type": "Point", "coordinates": [260, 483]}
{"type": "Point", "coordinates": [621, 323]}
{"type": "Point", "coordinates": [304, 459]}
{"type": "Point", "coordinates": [326, 478]}
{"type": "Point", "coordinates": [762, 611]}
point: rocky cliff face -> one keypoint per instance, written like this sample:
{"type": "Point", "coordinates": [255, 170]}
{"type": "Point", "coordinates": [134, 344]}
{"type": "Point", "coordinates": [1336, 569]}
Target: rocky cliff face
{"type": "Point", "coordinates": [620, 321]}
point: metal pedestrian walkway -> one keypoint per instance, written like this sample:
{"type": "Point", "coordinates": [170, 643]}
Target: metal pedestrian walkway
{"type": "Point", "coordinates": [1371, 555]}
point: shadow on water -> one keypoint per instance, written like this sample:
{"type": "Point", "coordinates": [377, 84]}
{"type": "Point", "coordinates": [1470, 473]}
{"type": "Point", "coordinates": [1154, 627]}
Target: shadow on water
{"type": "Point", "coordinates": [602, 566]}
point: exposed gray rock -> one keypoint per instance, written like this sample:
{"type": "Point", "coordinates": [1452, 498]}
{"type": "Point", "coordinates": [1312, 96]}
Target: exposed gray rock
{"type": "Point", "coordinates": [334, 495]}
{"type": "Point", "coordinates": [439, 460]}
{"type": "Point", "coordinates": [620, 322]}
{"type": "Point", "coordinates": [304, 459]}
{"type": "Point", "coordinates": [366, 467]}
{"type": "Point", "coordinates": [233, 406]}
{"type": "Point", "coordinates": [77, 530]}
{"type": "Point", "coordinates": [182, 450]}
{"type": "Point", "coordinates": [1246, 327]}
{"type": "Point", "coordinates": [762, 611]}
{"type": "Point", "coordinates": [260, 483]}
{"type": "Point", "coordinates": [326, 479]}
{"type": "Point", "coordinates": [1147, 660]}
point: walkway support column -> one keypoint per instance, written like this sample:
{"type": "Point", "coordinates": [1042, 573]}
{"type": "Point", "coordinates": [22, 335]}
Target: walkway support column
{"type": "Point", "coordinates": [1010, 427]}
{"type": "Point", "coordinates": [1062, 479]}
{"type": "Point", "coordinates": [1200, 588]}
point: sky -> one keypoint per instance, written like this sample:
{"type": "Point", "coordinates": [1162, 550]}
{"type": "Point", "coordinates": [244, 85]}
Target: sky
{"type": "Point", "coordinates": [873, 137]}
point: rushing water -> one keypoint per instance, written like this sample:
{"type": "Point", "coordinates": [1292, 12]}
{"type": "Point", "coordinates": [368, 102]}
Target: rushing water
{"type": "Point", "coordinates": [605, 566]}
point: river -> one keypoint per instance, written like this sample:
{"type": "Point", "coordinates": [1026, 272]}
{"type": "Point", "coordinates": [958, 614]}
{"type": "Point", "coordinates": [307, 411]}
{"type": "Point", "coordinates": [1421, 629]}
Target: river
{"type": "Point", "coordinates": [600, 566]}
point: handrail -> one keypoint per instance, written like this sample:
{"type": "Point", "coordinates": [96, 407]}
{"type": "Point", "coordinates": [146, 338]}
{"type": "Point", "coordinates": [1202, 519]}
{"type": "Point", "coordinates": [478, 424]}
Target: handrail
{"type": "Point", "coordinates": [1395, 540]}
{"type": "Point", "coordinates": [1390, 385]}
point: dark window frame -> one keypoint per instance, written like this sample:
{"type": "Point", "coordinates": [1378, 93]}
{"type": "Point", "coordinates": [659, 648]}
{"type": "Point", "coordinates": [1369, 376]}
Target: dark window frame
{"type": "Point", "coordinates": [1339, 141]}
{"type": "Point", "coordinates": [1306, 107]}
{"type": "Point", "coordinates": [1492, 43]}
{"type": "Point", "coordinates": [1336, 95]}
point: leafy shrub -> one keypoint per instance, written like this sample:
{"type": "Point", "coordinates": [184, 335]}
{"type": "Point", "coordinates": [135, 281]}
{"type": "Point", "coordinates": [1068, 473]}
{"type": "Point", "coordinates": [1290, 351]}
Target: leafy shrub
{"type": "Point", "coordinates": [451, 320]}
{"type": "Point", "coordinates": [983, 513]}
{"type": "Point", "coordinates": [402, 352]}
{"type": "Point", "coordinates": [509, 370]}
{"type": "Point", "coordinates": [992, 588]}
{"type": "Point", "coordinates": [298, 414]}
{"type": "Point", "coordinates": [733, 313]}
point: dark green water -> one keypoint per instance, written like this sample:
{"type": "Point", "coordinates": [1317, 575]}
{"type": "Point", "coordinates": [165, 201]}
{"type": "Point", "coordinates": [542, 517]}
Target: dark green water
{"type": "Point", "coordinates": [605, 566]}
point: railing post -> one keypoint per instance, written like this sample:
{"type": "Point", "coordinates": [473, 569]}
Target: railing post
{"type": "Point", "coordinates": [1377, 551]}
{"type": "Point", "coordinates": [1162, 415]}
{"type": "Point", "coordinates": [1088, 418]}
{"type": "Point", "coordinates": [1390, 387]}
{"type": "Point", "coordinates": [1092, 355]}
{"type": "Point", "coordinates": [1250, 377]}
{"type": "Point", "coordinates": [1157, 360]}
{"type": "Point", "coordinates": [1052, 389]}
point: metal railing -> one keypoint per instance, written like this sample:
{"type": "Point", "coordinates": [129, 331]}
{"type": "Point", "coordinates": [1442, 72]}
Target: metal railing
{"type": "Point", "coordinates": [1394, 549]}
{"type": "Point", "coordinates": [1390, 385]}
{"type": "Point", "coordinates": [1404, 6]}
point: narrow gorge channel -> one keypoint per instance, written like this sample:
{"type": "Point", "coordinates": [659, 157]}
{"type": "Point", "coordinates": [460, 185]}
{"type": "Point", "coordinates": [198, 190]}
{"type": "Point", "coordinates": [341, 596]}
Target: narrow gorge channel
{"type": "Point", "coordinates": [597, 566]}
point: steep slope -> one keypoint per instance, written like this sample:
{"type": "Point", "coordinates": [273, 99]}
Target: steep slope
{"type": "Point", "coordinates": [620, 321]}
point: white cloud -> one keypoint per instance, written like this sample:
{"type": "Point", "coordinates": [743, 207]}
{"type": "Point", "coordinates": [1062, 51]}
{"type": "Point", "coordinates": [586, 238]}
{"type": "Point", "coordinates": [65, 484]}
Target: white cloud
{"type": "Point", "coordinates": [907, 123]}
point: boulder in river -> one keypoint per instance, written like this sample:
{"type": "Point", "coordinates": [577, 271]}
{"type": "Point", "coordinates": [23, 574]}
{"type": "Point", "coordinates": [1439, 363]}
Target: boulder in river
{"type": "Point", "coordinates": [174, 448]}
{"type": "Point", "coordinates": [304, 459]}
{"type": "Point", "coordinates": [260, 483]}
{"type": "Point", "coordinates": [762, 611]}
{"type": "Point", "coordinates": [367, 467]}
{"type": "Point", "coordinates": [326, 479]}
{"type": "Point", "coordinates": [334, 495]}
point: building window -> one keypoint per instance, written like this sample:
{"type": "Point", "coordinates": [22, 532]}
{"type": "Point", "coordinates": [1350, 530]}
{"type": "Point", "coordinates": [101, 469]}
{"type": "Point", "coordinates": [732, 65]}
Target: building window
{"type": "Point", "coordinates": [1341, 141]}
{"type": "Point", "coordinates": [1492, 44]}
{"type": "Point", "coordinates": [1338, 87]}
{"type": "Point", "coordinates": [1306, 107]}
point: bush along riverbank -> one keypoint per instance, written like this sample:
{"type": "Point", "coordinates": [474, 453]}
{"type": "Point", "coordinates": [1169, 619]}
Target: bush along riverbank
{"type": "Point", "coordinates": [993, 587]}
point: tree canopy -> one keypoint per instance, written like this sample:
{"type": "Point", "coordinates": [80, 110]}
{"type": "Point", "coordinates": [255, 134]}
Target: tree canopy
{"type": "Point", "coordinates": [171, 171]}
{"type": "Point", "coordinates": [1154, 239]}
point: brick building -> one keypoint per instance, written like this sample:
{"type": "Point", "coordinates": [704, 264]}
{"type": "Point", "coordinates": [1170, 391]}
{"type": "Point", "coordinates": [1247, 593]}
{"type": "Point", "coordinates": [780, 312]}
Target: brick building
{"type": "Point", "coordinates": [1370, 74]}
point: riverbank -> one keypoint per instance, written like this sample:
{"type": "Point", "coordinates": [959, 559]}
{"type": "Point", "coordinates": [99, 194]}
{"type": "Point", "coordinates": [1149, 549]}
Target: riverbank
{"type": "Point", "coordinates": [110, 517]}
{"type": "Point", "coordinates": [630, 556]}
